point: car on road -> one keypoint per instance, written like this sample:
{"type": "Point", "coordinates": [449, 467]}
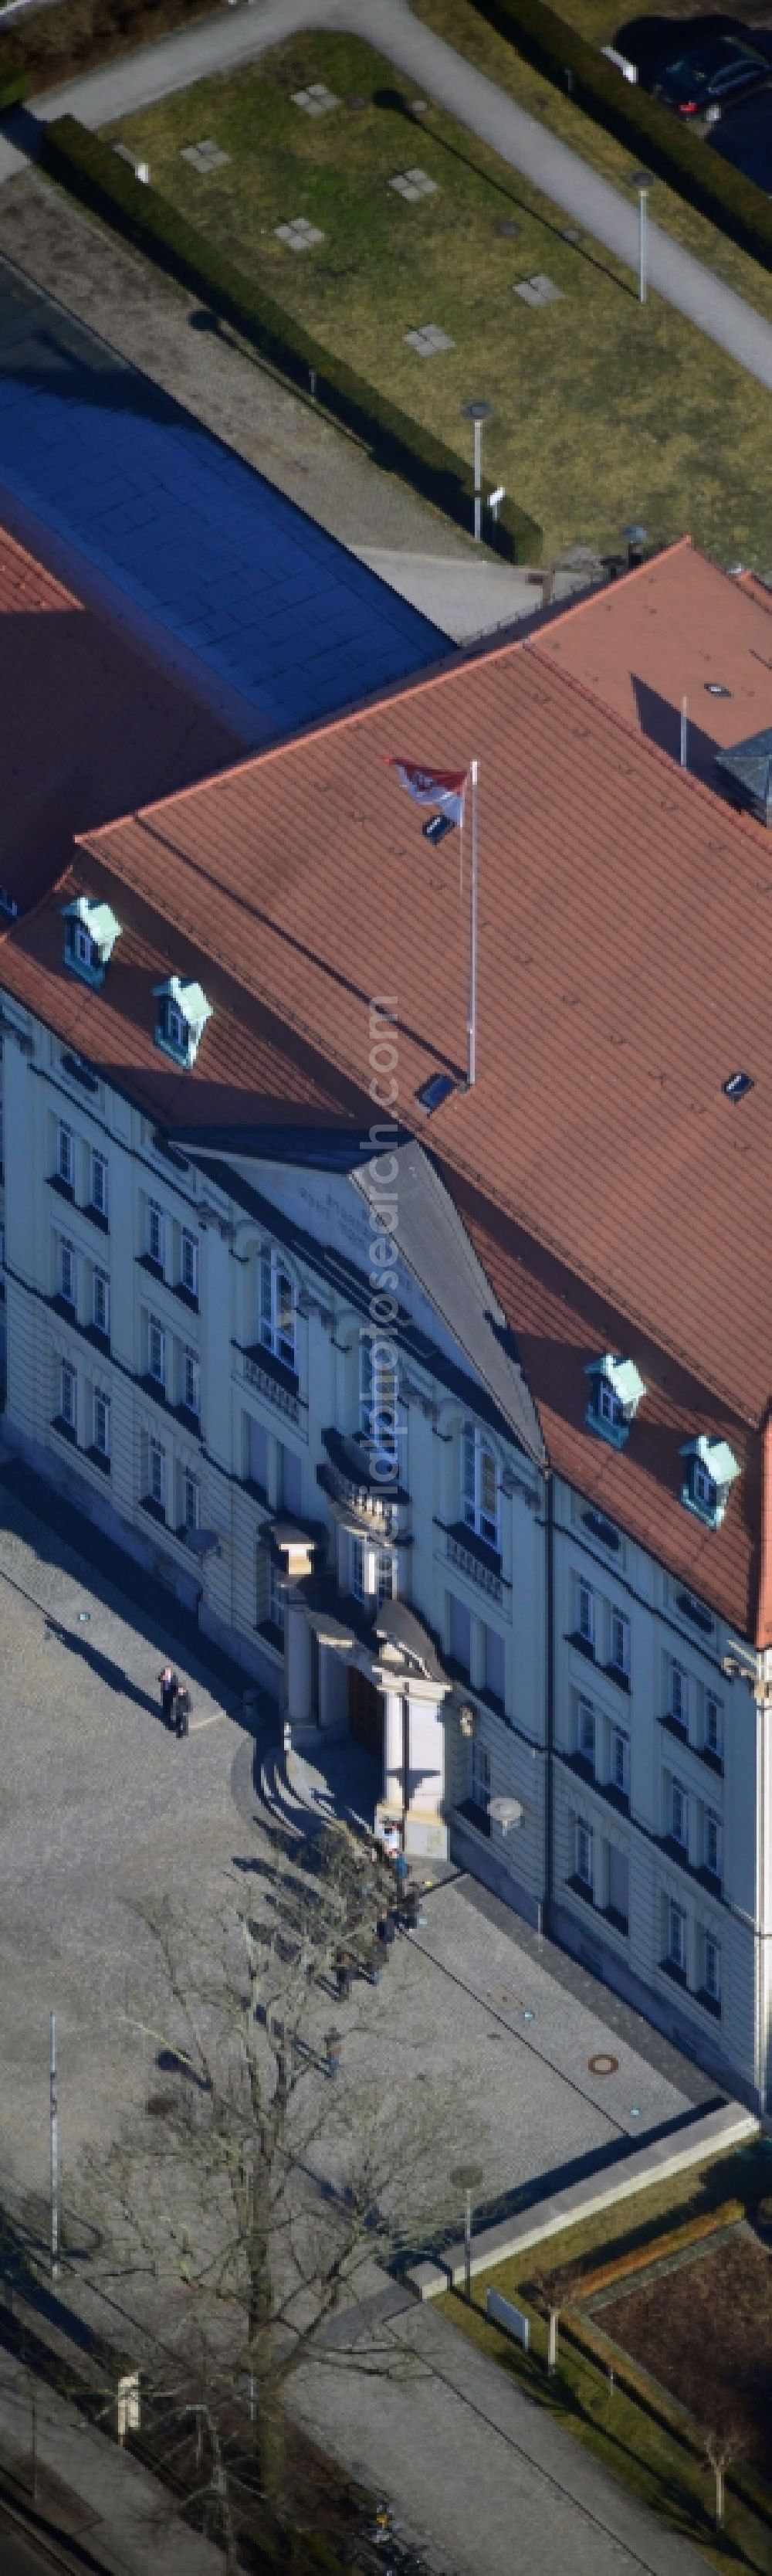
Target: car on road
{"type": "Point", "coordinates": [653, 43]}
{"type": "Point", "coordinates": [712, 75]}
{"type": "Point", "coordinates": [744, 137]}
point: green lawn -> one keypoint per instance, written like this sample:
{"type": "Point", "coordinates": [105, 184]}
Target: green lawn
{"type": "Point", "coordinates": [603, 412]}
{"type": "Point", "coordinates": [621, 2434]}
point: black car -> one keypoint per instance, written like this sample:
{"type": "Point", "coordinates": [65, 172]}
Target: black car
{"type": "Point", "coordinates": [744, 137]}
{"type": "Point", "coordinates": [712, 75]}
{"type": "Point", "coordinates": [652, 44]}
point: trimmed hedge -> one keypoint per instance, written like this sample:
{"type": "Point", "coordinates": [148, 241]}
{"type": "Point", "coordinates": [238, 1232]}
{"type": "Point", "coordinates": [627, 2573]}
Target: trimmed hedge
{"type": "Point", "coordinates": [652, 133]}
{"type": "Point", "coordinates": [91, 171]}
{"type": "Point", "coordinates": [14, 83]}
{"type": "Point", "coordinates": [659, 2248]}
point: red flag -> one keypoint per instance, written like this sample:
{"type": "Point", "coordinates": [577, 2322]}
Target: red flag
{"type": "Point", "coordinates": [441, 787]}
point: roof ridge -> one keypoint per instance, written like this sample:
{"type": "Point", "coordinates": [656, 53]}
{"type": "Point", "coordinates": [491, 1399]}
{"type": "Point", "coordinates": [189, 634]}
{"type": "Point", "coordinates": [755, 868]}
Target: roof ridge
{"type": "Point", "coordinates": [587, 598]}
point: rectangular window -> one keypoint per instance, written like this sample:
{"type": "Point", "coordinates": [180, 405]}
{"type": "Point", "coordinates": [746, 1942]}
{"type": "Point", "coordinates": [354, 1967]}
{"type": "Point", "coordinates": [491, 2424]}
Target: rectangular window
{"type": "Point", "coordinates": [585, 1620]}
{"type": "Point", "coordinates": [713, 1842]}
{"type": "Point", "coordinates": [584, 1852]}
{"type": "Point", "coordinates": [711, 1968]}
{"type": "Point", "coordinates": [191, 1382]}
{"type": "Point", "coordinates": [620, 1760]}
{"type": "Point", "coordinates": [358, 1570]}
{"type": "Point", "coordinates": [67, 1273]}
{"type": "Point", "coordinates": [378, 1401]}
{"type": "Point", "coordinates": [619, 1641]}
{"type": "Point", "coordinates": [460, 1634]}
{"type": "Point", "coordinates": [157, 1463]}
{"type": "Point", "coordinates": [385, 1574]}
{"type": "Point", "coordinates": [101, 1422]}
{"type": "Point", "coordinates": [479, 1486]}
{"type": "Point", "coordinates": [618, 1881]}
{"type": "Point", "coordinates": [679, 1815]}
{"type": "Point", "coordinates": [189, 1258]}
{"type": "Point", "coordinates": [99, 1183]}
{"type": "Point", "coordinates": [156, 1351]}
{"type": "Point", "coordinates": [256, 1452]}
{"type": "Point", "coordinates": [101, 1303]}
{"type": "Point", "coordinates": [191, 1500]}
{"type": "Point", "coordinates": [676, 1936]}
{"type": "Point", "coordinates": [481, 1775]}
{"type": "Point", "coordinates": [680, 1695]}
{"type": "Point", "coordinates": [493, 1664]}
{"type": "Point", "coordinates": [585, 1730]}
{"type": "Point", "coordinates": [277, 1308]}
{"type": "Point", "coordinates": [714, 1725]}
{"type": "Point", "coordinates": [155, 1233]}
{"type": "Point", "coordinates": [66, 1155]}
{"type": "Point", "coordinates": [289, 1483]}
{"type": "Point", "coordinates": [68, 1396]}
{"type": "Point", "coordinates": [277, 1603]}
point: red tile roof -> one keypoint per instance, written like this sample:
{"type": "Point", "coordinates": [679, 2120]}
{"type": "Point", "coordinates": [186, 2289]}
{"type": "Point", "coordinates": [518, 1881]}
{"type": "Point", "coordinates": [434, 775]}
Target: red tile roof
{"type": "Point", "coordinates": [616, 1198]}
{"type": "Point", "coordinates": [677, 627]}
{"type": "Point", "coordinates": [90, 725]}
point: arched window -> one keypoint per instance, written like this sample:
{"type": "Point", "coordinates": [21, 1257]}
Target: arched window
{"type": "Point", "coordinates": [479, 1485]}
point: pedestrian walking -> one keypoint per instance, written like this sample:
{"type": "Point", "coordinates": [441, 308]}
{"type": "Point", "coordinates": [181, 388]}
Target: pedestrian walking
{"type": "Point", "coordinates": [343, 1974]}
{"type": "Point", "coordinates": [169, 1688]}
{"type": "Point", "coordinates": [182, 1711]}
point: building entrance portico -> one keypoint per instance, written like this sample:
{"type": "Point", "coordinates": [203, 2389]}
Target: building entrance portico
{"type": "Point", "coordinates": [365, 1711]}
{"type": "Point", "coordinates": [383, 1687]}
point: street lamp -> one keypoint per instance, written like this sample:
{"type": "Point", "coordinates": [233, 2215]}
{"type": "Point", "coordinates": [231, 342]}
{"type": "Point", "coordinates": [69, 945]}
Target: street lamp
{"type": "Point", "coordinates": [636, 539]}
{"type": "Point", "coordinates": [643, 181]}
{"type": "Point", "coordinates": [467, 2178]}
{"type": "Point", "coordinates": [477, 412]}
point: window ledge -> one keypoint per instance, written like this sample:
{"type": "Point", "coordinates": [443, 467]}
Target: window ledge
{"type": "Point", "coordinates": [602, 1530]}
{"type": "Point", "coordinates": [154, 1387]}
{"type": "Point", "coordinates": [65, 1430]}
{"type": "Point", "coordinates": [678, 1976]}
{"type": "Point", "coordinates": [582, 1644]}
{"type": "Point", "coordinates": [478, 1817]}
{"type": "Point", "coordinates": [257, 1493]}
{"type": "Point", "coordinates": [713, 1761]}
{"type": "Point", "coordinates": [188, 1420]}
{"type": "Point", "coordinates": [99, 1341]}
{"type": "Point", "coordinates": [155, 1269]}
{"type": "Point", "coordinates": [64, 1189]}
{"type": "Point", "coordinates": [186, 1296]}
{"type": "Point", "coordinates": [710, 2003]}
{"type": "Point", "coordinates": [579, 1887]}
{"type": "Point", "coordinates": [155, 1510]}
{"type": "Point", "coordinates": [619, 1922]}
{"type": "Point", "coordinates": [673, 1726]}
{"type": "Point", "coordinates": [99, 1458]}
{"type": "Point", "coordinates": [96, 1217]}
{"type": "Point", "coordinates": [693, 1611]}
{"type": "Point", "coordinates": [64, 1307]}
{"type": "Point", "coordinates": [478, 1547]}
{"type": "Point", "coordinates": [617, 1798]}
{"type": "Point", "coordinates": [710, 1880]}
{"type": "Point", "coordinates": [614, 1673]}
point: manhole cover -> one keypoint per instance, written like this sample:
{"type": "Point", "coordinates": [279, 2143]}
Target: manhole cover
{"type": "Point", "coordinates": [602, 2064]}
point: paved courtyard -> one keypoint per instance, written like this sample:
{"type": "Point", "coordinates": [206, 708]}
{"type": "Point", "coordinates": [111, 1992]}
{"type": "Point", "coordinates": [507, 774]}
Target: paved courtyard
{"type": "Point", "coordinates": [102, 1808]}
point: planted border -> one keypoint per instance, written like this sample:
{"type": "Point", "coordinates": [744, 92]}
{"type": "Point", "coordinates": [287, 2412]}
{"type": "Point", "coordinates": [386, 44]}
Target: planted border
{"type": "Point", "coordinates": [729, 200]}
{"type": "Point", "coordinates": [91, 171]}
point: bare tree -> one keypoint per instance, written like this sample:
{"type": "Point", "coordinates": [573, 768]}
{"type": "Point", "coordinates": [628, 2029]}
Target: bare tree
{"type": "Point", "coordinates": [280, 2161]}
{"type": "Point", "coordinates": [552, 2292]}
{"type": "Point", "coordinates": [719, 2450]}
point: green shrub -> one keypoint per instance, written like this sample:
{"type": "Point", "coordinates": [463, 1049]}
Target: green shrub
{"type": "Point", "coordinates": [655, 136]}
{"type": "Point", "coordinates": [14, 82]}
{"type": "Point", "coordinates": [91, 170]}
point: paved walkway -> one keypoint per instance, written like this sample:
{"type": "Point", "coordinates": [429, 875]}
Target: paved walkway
{"type": "Point", "coordinates": [236, 36]}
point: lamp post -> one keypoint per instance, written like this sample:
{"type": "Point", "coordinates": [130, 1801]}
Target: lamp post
{"type": "Point", "coordinates": [54, 2114]}
{"type": "Point", "coordinates": [467, 2177]}
{"type": "Point", "coordinates": [643, 181]}
{"type": "Point", "coordinates": [477, 412]}
{"type": "Point", "coordinates": [636, 539]}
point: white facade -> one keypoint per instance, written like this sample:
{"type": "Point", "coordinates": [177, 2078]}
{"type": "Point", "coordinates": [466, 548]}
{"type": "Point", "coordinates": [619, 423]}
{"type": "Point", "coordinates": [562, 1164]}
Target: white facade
{"type": "Point", "coordinates": [184, 1358]}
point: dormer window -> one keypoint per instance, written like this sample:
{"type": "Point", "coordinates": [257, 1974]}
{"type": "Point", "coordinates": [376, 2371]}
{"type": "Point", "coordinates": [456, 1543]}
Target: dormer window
{"type": "Point", "coordinates": [90, 933]}
{"type": "Point", "coordinates": [710, 1471]}
{"type": "Point", "coordinates": [183, 1011]}
{"type": "Point", "coordinates": [616, 1389]}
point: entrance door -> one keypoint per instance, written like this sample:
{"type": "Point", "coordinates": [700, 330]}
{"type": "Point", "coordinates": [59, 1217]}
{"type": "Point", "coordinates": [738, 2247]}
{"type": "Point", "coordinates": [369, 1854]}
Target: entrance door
{"type": "Point", "coordinates": [365, 1711]}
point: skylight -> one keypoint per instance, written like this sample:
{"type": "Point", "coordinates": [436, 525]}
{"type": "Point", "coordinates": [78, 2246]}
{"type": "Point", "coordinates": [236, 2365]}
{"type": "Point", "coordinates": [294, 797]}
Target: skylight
{"type": "Point", "coordinates": [737, 1085]}
{"type": "Point", "coordinates": [433, 1092]}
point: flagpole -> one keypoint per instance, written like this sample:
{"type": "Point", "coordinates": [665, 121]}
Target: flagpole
{"type": "Point", "coordinates": [471, 1066]}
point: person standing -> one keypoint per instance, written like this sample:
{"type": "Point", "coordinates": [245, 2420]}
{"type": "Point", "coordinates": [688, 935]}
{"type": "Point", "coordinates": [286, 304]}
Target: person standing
{"type": "Point", "coordinates": [169, 1689]}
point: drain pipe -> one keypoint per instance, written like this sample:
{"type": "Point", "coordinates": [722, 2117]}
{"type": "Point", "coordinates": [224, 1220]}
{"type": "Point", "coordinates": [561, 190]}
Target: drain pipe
{"type": "Point", "coordinates": [549, 1820]}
